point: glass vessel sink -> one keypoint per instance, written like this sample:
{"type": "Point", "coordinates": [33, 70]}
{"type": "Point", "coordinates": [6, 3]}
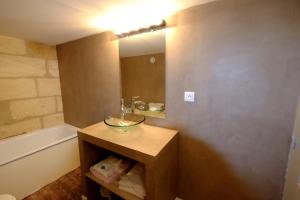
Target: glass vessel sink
{"type": "Point", "coordinates": [124, 121]}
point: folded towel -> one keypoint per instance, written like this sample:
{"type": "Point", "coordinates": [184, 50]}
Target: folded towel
{"type": "Point", "coordinates": [156, 106]}
{"type": "Point", "coordinates": [110, 169]}
{"type": "Point", "coordinates": [133, 181]}
{"type": "Point", "coordinates": [132, 191]}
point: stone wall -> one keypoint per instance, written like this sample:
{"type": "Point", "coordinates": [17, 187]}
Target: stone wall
{"type": "Point", "coordinates": [30, 94]}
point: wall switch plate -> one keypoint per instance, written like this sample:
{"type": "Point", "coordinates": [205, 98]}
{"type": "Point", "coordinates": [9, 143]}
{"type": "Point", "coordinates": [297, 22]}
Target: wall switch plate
{"type": "Point", "coordinates": [189, 96]}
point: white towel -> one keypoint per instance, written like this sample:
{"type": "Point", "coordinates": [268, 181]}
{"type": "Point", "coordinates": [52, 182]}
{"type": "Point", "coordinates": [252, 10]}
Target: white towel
{"type": "Point", "coordinates": [133, 181]}
{"type": "Point", "coordinates": [156, 106]}
{"type": "Point", "coordinates": [110, 169]}
{"type": "Point", "coordinates": [107, 166]}
{"type": "Point", "coordinates": [133, 191]}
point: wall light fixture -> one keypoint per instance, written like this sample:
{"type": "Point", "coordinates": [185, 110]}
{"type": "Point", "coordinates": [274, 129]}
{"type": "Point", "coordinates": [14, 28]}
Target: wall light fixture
{"type": "Point", "coordinates": [151, 28]}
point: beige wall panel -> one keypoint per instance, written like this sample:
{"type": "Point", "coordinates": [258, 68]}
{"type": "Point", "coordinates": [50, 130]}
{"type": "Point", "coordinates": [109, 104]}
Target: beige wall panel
{"type": "Point", "coordinates": [53, 120]}
{"type": "Point", "coordinates": [32, 107]}
{"type": "Point", "coordinates": [12, 45]}
{"type": "Point", "coordinates": [4, 113]}
{"type": "Point", "coordinates": [59, 104]}
{"type": "Point", "coordinates": [25, 65]}
{"type": "Point", "coordinates": [48, 87]}
{"type": "Point", "coordinates": [20, 127]}
{"type": "Point", "coordinates": [17, 88]}
{"type": "Point", "coordinates": [19, 66]}
{"type": "Point", "coordinates": [40, 50]}
{"type": "Point", "coordinates": [53, 68]}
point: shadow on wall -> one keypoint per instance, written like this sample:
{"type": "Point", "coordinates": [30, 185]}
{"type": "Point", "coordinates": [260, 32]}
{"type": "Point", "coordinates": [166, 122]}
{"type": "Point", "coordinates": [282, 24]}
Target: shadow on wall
{"type": "Point", "coordinates": [207, 173]}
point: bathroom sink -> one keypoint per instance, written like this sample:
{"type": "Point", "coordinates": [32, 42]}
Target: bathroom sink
{"type": "Point", "coordinates": [124, 122]}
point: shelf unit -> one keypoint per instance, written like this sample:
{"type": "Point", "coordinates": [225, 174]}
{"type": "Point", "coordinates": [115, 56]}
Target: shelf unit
{"type": "Point", "coordinates": [154, 147]}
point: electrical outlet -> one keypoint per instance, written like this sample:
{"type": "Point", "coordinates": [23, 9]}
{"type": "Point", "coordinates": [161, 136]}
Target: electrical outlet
{"type": "Point", "coordinates": [189, 96]}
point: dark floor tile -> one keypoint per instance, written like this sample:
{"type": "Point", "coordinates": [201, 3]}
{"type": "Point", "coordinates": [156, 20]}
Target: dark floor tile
{"type": "Point", "coordinates": [67, 187]}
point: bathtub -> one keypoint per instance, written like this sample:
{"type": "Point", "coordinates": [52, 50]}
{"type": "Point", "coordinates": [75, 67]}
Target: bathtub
{"type": "Point", "coordinates": [30, 161]}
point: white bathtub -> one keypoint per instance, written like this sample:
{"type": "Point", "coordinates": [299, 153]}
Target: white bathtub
{"type": "Point", "coordinates": [33, 160]}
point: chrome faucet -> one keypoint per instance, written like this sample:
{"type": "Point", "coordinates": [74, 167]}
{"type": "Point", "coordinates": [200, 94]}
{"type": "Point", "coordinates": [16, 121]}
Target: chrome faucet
{"type": "Point", "coordinates": [123, 109]}
{"type": "Point", "coordinates": [130, 109]}
{"type": "Point", "coordinates": [133, 102]}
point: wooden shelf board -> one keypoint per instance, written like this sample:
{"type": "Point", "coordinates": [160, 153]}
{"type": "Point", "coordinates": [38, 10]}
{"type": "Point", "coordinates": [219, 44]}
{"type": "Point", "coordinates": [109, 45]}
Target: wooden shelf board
{"type": "Point", "coordinates": [113, 187]}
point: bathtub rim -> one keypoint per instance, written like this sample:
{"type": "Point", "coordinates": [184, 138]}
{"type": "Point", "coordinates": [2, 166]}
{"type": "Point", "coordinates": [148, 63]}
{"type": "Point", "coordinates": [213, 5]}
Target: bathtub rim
{"type": "Point", "coordinates": [65, 139]}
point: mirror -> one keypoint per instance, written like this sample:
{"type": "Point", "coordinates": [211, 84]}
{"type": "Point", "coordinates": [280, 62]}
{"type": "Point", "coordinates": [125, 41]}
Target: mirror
{"type": "Point", "coordinates": [142, 62]}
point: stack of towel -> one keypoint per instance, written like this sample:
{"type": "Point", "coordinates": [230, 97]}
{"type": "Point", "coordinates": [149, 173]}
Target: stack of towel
{"type": "Point", "coordinates": [110, 169]}
{"type": "Point", "coordinates": [133, 181]}
{"type": "Point", "coordinates": [156, 106]}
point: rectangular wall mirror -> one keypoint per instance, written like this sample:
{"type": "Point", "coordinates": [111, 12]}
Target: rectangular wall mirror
{"type": "Point", "coordinates": [142, 62]}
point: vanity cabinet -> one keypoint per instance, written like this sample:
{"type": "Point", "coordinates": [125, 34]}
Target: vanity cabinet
{"type": "Point", "coordinates": [154, 147]}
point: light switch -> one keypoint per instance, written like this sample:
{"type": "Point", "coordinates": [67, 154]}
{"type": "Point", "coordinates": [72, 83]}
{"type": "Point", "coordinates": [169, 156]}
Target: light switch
{"type": "Point", "coordinates": [189, 96]}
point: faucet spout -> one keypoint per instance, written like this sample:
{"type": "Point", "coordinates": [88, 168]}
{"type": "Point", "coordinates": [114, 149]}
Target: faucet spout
{"type": "Point", "coordinates": [132, 103]}
{"type": "Point", "coordinates": [123, 109]}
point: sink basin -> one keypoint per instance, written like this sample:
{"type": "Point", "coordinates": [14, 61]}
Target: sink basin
{"type": "Point", "coordinates": [124, 122]}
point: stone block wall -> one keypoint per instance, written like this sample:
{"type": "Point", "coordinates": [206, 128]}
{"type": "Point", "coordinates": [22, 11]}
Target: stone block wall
{"type": "Point", "coordinates": [30, 94]}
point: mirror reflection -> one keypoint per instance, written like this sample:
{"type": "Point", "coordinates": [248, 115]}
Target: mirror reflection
{"type": "Point", "coordinates": [142, 62]}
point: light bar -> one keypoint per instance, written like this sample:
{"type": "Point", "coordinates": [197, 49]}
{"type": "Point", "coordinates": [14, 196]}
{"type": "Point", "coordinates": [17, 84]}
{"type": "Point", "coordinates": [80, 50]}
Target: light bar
{"type": "Point", "coordinates": [152, 28]}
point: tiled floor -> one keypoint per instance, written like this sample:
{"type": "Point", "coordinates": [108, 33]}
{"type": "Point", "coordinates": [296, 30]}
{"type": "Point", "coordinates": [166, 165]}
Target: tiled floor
{"type": "Point", "coordinates": [67, 187]}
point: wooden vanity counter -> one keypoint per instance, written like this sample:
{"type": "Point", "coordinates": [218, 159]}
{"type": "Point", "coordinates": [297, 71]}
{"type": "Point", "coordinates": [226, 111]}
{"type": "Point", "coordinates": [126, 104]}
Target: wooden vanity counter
{"type": "Point", "coordinates": [154, 147]}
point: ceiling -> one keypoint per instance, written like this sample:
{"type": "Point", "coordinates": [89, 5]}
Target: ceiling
{"type": "Point", "coordinates": [57, 21]}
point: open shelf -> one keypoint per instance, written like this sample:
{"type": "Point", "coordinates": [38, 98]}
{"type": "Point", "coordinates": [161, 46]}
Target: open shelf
{"type": "Point", "coordinates": [113, 187]}
{"type": "Point", "coordinates": [155, 148]}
